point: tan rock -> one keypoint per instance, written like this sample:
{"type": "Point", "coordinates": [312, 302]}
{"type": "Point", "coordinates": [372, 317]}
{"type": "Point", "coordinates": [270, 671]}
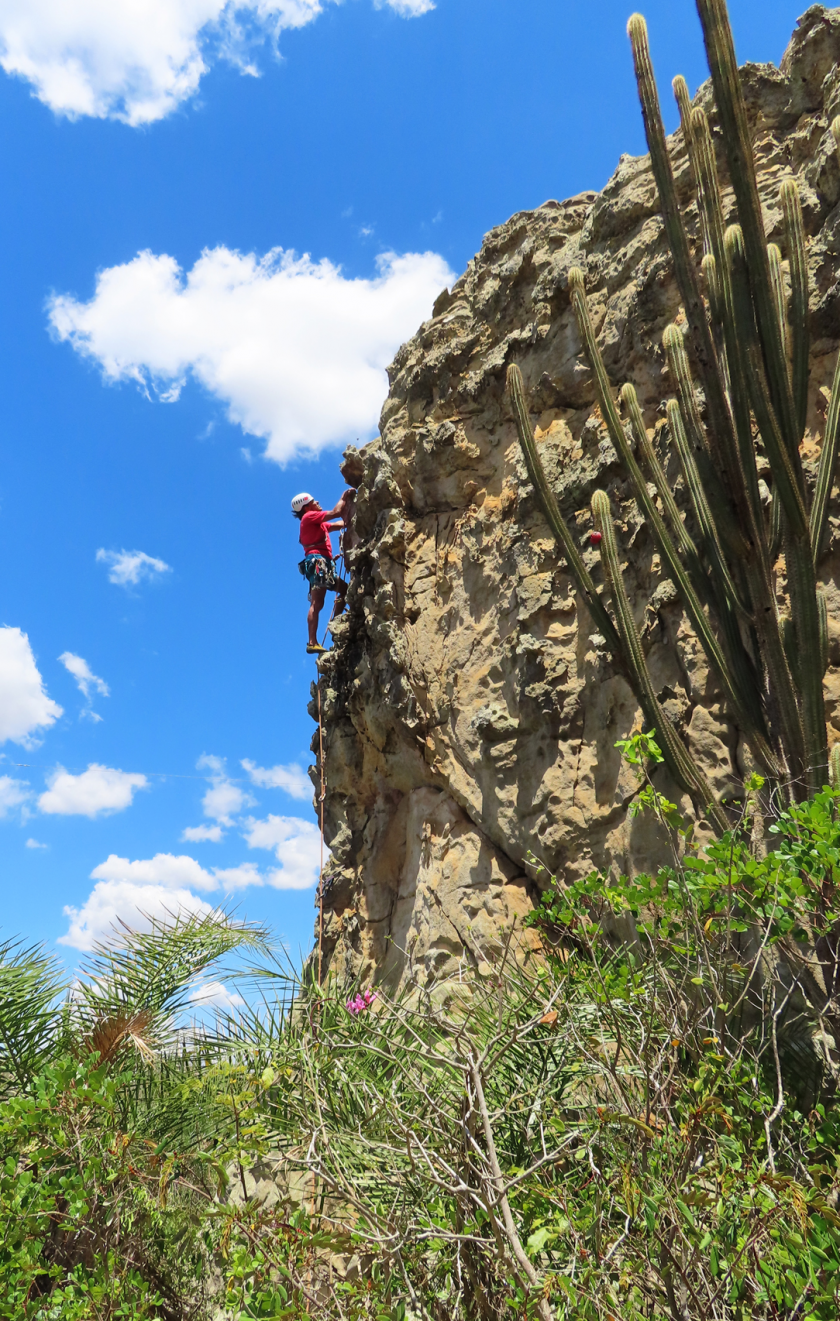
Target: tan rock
{"type": "Point", "coordinates": [471, 709]}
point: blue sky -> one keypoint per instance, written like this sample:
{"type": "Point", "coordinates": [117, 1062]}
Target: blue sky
{"type": "Point", "coordinates": [218, 224]}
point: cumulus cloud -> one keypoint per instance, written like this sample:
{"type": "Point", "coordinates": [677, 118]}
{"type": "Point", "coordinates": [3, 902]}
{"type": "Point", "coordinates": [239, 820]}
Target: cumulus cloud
{"type": "Point", "coordinates": [215, 995]}
{"type": "Point", "coordinates": [295, 843]}
{"type": "Point", "coordinates": [35, 844]}
{"type": "Point", "coordinates": [13, 793]}
{"type": "Point", "coordinates": [137, 905]}
{"type": "Point", "coordinates": [25, 707]}
{"type": "Point", "coordinates": [127, 568]}
{"type": "Point", "coordinates": [98, 791]}
{"type": "Point", "coordinates": [202, 834]}
{"type": "Point", "coordinates": [137, 61]}
{"type": "Point", "coordinates": [178, 871]}
{"type": "Point", "coordinates": [292, 779]}
{"type": "Point", "coordinates": [224, 799]}
{"type": "Point", "coordinates": [138, 891]}
{"type": "Point", "coordinates": [164, 869]}
{"type": "Point", "coordinates": [294, 350]}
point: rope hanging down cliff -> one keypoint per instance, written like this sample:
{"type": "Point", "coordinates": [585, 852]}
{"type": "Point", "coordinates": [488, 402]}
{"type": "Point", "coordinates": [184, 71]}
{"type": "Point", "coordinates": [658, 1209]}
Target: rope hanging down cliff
{"type": "Point", "coordinates": [321, 823]}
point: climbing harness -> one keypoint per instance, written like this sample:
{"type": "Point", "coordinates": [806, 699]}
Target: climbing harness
{"type": "Point", "coordinates": [318, 571]}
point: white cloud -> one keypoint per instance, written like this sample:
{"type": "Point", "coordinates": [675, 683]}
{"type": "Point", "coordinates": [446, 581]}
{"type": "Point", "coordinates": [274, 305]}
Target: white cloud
{"type": "Point", "coordinates": [34, 844]}
{"type": "Point", "coordinates": [407, 8]}
{"type": "Point", "coordinates": [295, 350]}
{"type": "Point", "coordinates": [164, 869]}
{"type": "Point", "coordinates": [292, 779]}
{"type": "Point", "coordinates": [224, 799]}
{"type": "Point", "coordinates": [12, 794]}
{"type": "Point", "coordinates": [201, 834]}
{"type": "Point", "coordinates": [137, 891]}
{"type": "Point", "coordinates": [127, 568]}
{"type": "Point", "coordinates": [97, 791]}
{"type": "Point", "coordinates": [136, 60]}
{"type": "Point", "coordinates": [296, 845]}
{"type": "Point", "coordinates": [25, 707]}
{"type": "Point", "coordinates": [177, 872]}
{"type": "Point", "coordinates": [137, 905]}
{"type": "Point", "coordinates": [215, 995]}
{"type": "Point", "coordinates": [239, 878]}
{"type": "Point", "coordinates": [86, 680]}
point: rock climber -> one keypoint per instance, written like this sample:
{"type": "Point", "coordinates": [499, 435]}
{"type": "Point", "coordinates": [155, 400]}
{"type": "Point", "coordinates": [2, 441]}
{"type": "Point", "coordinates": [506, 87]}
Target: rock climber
{"type": "Point", "coordinates": [318, 565]}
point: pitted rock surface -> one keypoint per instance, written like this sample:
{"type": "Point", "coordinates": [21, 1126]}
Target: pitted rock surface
{"type": "Point", "coordinates": [470, 709]}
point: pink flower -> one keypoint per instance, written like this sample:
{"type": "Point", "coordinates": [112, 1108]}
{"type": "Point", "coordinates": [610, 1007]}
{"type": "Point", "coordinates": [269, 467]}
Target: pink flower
{"type": "Point", "coordinates": [359, 1003]}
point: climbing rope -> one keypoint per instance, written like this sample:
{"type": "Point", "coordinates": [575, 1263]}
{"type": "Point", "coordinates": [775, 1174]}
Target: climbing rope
{"type": "Point", "coordinates": [339, 601]}
{"type": "Point", "coordinates": [321, 817]}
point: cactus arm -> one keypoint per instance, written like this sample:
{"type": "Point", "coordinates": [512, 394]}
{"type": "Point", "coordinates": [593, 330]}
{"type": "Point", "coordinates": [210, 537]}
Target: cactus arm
{"type": "Point", "coordinates": [686, 546]}
{"type": "Point", "coordinates": [683, 100]}
{"type": "Point", "coordinates": [733, 666]}
{"type": "Point", "coordinates": [708, 187]}
{"type": "Point", "coordinates": [788, 635]}
{"type": "Point", "coordinates": [768, 629]}
{"type": "Point", "coordinates": [800, 330]}
{"type": "Point", "coordinates": [707, 495]}
{"type": "Point", "coordinates": [754, 374]}
{"type": "Point", "coordinates": [834, 767]}
{"type": "Point", "coordinates": [738, 678]}
{"type": "Point", "coordinates": [709, 268]}
{"type": "Point", "coordinates": [554, 518]}
{"type": "Point", "coordinates": [686, 275]}
{"type": "Point", "coordinates": [822, 607]}
{"type": "Point", "coordinates": [798, 553]}
{"type": "Point", "coordinates": [699, 504]}
{"type": "Point", "coordinates": [774, 256]}
{"type": "Point", "coordinates": [828, 463]}
{"type": "Point", "coordinates": [775, 525]}
{"type": "Point", "coordinates": [676, 755]}
{"type": "Point", "coordinates": [806, 617]}
{"type": "Point", "coordinates": [740, 466]}
{"type": "Point", "coordinates": [618, 437]}
{"type": "Point", "coordinates": [720, 51]}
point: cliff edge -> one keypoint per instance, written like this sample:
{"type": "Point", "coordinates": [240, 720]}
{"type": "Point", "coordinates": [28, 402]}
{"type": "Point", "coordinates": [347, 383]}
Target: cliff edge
{"type": "Point", "coordinates": [470, 710]}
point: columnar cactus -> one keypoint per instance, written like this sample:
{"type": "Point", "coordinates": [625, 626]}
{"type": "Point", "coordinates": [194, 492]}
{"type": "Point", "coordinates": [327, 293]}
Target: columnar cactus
{"type": "Point", "coordinates": [747, 345]}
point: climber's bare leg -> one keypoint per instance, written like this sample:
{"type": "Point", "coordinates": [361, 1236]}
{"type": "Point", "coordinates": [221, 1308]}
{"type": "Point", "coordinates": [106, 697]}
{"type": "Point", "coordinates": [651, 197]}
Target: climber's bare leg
{"type": "Point", "coordinates": [316, 604]}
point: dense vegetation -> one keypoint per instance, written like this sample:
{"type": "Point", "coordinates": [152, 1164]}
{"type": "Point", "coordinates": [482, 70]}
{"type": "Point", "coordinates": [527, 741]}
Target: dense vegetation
{"type": "Point", "coordinates": [642, 1122]}
{"type": "Point", "coordinates": [639, 1120]}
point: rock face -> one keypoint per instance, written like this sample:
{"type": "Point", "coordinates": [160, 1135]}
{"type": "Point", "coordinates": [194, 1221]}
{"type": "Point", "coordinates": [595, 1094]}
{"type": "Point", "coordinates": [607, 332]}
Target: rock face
{"type": "Point", "coordinates": [470, 710]}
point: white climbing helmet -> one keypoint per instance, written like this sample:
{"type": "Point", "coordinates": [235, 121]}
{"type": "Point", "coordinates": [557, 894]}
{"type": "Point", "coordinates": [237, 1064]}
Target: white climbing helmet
{"type": "Point", "coordinates": [301, 501]}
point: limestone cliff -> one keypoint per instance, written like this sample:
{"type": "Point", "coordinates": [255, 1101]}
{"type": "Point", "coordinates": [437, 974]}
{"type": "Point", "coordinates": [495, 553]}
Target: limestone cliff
{"type": "Point", "coordinates": [470, 709]}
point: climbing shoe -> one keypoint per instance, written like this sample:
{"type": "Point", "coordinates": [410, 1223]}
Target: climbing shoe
{"type": "Point", "coordinates": [315, 649]}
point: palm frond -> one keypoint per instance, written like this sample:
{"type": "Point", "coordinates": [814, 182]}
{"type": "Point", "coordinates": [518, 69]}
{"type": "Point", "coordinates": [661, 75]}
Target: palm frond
{"type": "Point", "coordinates": [32, 985]}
